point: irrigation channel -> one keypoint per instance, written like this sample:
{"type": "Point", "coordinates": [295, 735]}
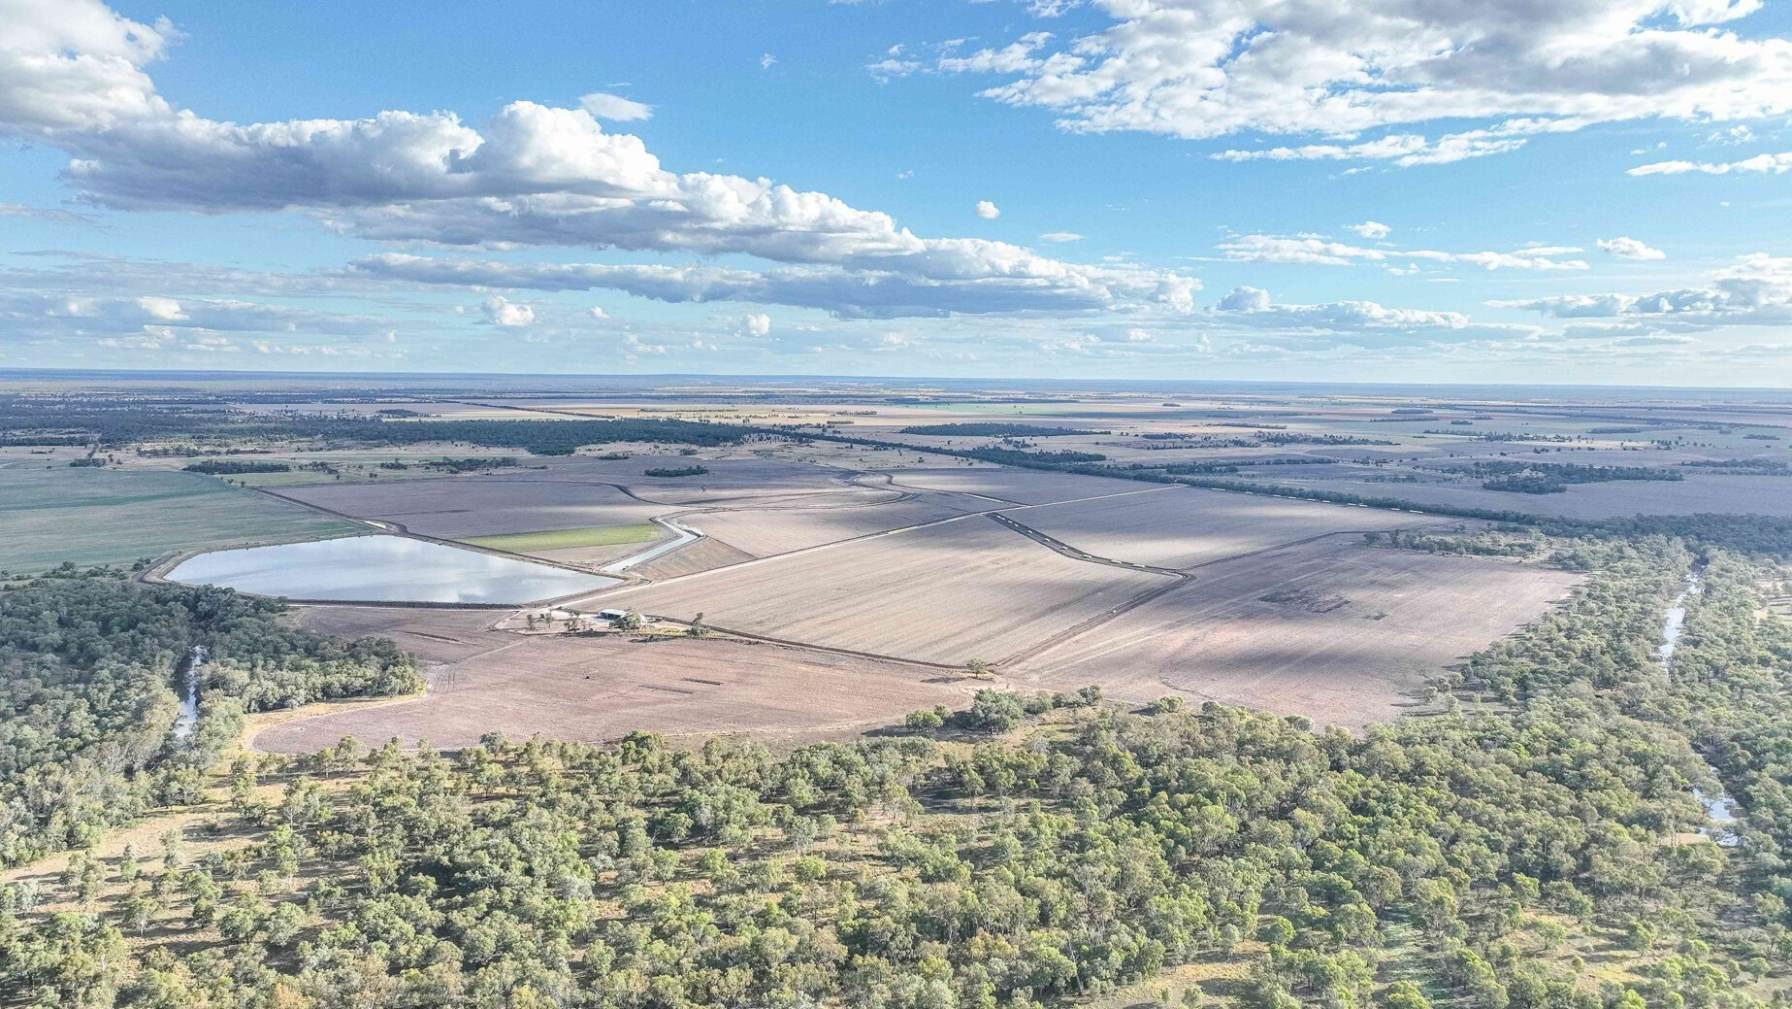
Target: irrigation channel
{"type": "Point", "coordinates": [680, 536]}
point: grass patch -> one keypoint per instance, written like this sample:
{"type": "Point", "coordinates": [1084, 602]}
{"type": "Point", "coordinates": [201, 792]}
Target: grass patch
{"type": "Point", "coordinates": [569, 539]}
{"type": "Point", "coordinates": [101, 516]}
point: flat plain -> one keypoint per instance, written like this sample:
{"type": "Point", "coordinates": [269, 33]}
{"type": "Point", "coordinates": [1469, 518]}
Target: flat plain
{"type": "Point", "coordinates": [1181, 527]}
{"type": "Point", "coordinates": [474, 507]}
{"type": "Point", "coordinates": [770, 530]}
{"type": "Point", "coordinates": [603, 688]}
{"type": "Point", "coordinates": [1334, 630]}
{"type": "Point", "coordinates": [101, 516]}
{"type": "Point", "coordinates": [945, 594]}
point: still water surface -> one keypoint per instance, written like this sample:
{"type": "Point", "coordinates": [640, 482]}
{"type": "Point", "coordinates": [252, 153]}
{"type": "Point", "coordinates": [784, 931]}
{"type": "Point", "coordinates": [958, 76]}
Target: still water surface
{"type": "Point", "coordinates": [383, 569]}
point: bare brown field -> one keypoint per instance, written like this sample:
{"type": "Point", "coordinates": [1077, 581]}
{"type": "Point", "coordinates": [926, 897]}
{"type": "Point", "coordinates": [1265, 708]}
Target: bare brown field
{"type": "Point", "coordinates": [1332, 630]}
{"type": "Point", "coordinates": [946, 594]}
{"type": "Point", "coordinates": [731, 478]}
{"type": "Point", "coordinates": [705, 554]}
{"type": "Point", "coordinates": [469, 506]}
{"type": "Point", "coordinates": [1015, 486]}
{"type": "Point", "coordinates": [602, 688]}
{"type": "Point", "coordinates": [1182, 527]}
{"type": "Point", "coordinates": [768, 531]}
{"type": "Point", "coordinates": [432, 635]}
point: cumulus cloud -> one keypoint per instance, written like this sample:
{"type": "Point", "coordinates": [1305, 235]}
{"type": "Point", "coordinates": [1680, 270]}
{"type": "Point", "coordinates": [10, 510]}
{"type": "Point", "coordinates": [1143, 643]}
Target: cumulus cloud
{"type": "Point", "coordinates": [756, 324]}
{"type": "Point", "coordinates": [987, 210]}
{"type": "Point", "coordinates": [531, 175]}
{"type": "Point", "coordinates": [1320, 251]}
{"type": "Point", "coordinates": [1245, 299]}
{"type": "Point", "coordinates": [1060, 237]}
{"type": "Point", "coordinates": [844, 293]}
{"type": "Point", "coordinates": [1760, 164]}
{"type": "Point", "coordinates": [1629, 248]}
{"type": "Point", "coordinates": [1342, 68]}
{"type": "Point", "coordinates": [1372, 229]}
{"type": "Point", "coordinates": [615, 107]}
{"type": "Point", "coordinates": [502, 312]}
{"type": "Point", "coordinates": [1755, 290]}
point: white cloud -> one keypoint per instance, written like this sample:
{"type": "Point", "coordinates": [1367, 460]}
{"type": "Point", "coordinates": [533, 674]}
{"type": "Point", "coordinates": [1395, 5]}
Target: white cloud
{"type": "Point", "coordinates": [767, 61]}
{"type": "Point", "coordinates": [987, 210]}
{"type": "Point", "coordinates": [597, 312]}
{"type": "Point", "coordinates": [1317, 250]}
{"type": "Point", "coordinates": [1060, 237]}
{"type": "Point", "coordinates": [756, 324]}
{"type": "Point", "coordinates": [1755, 290]}
{"type": "Point", "coordinates": [1760, 164]}
{"type": "Point", "coordinates": [1407, 150]}
{"type": "Point", "coordinates": [1336, 70]}
{"type": "Point", "coordinates": [532, 175]}
{"type": "Point", "coordinates": [615, 107]}
{"type": "Point", "coordinates": [1629, 248]}
{"type": "Point", "coordinates": [1245, 299]}
{"type": "Point", "coordinates": [1356, 323]}
{"type": "Point", "coordinates": [1372, 229]}
{"type": "Point", "coordinates": [845, 293]}
{"type": "Point", "coordinates": [47, 313]}
{"type": "Point", "coordinates": [509, 314]}
{"type": "Point", "coordinates": [20, 210]}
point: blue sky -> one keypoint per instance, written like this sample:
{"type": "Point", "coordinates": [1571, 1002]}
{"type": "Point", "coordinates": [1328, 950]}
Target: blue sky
{"type": "Point", "coordinates": [1584, 191]}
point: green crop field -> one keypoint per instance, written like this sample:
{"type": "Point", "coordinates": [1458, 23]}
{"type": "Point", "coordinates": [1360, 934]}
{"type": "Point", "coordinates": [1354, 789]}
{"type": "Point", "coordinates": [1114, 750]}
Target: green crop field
{"type": "Point", "coordinates": [99, 516]}
{"type": "Point", "coordinates": [569, 539]}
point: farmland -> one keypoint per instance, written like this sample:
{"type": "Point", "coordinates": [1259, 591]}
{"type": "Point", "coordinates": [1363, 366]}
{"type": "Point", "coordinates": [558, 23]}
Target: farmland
{"type": "Point", "coordinates": [874, 529]}
{"type": "Point", "coordinates": [598, 689]}
{"type": "Point", "coordinates": [97, 516]}
{"type": "Point", "coordinates": [1182, 527]}
{"type": "Point", "coordinates": [943, 594]}
{"type": "Point", "coordinates": [1333, 630]}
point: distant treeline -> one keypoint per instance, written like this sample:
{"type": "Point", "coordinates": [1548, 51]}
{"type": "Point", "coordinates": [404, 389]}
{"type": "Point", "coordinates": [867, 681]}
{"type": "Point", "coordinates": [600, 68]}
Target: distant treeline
{"type": "Point", "coordinates": [1752, 467]}
{"type": "Point", "coordinates": [1554, 477]}
{"type": "Point", "coordinates": [33, 440]}
{"type": "Point", "coordinates": [233, 467]}
{"type": "Point", "coordinates": [676, 471]}
{"type": "Point", "coordinates": [127, 422]}
{"type": "Point", "coordinates": [992, 429]}
{"type": "Point", "coordinates": [471, 464]}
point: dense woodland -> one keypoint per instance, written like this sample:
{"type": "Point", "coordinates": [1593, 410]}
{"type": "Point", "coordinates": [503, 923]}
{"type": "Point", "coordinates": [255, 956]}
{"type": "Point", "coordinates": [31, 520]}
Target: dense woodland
{"type": "Point", "coordinates": [1533, 841]}
{"type": "Point", "coordinates": [91, 669]}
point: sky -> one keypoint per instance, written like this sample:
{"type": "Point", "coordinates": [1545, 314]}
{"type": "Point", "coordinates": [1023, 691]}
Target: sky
{"type": "Point", "coordinates": [1514, 191]}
